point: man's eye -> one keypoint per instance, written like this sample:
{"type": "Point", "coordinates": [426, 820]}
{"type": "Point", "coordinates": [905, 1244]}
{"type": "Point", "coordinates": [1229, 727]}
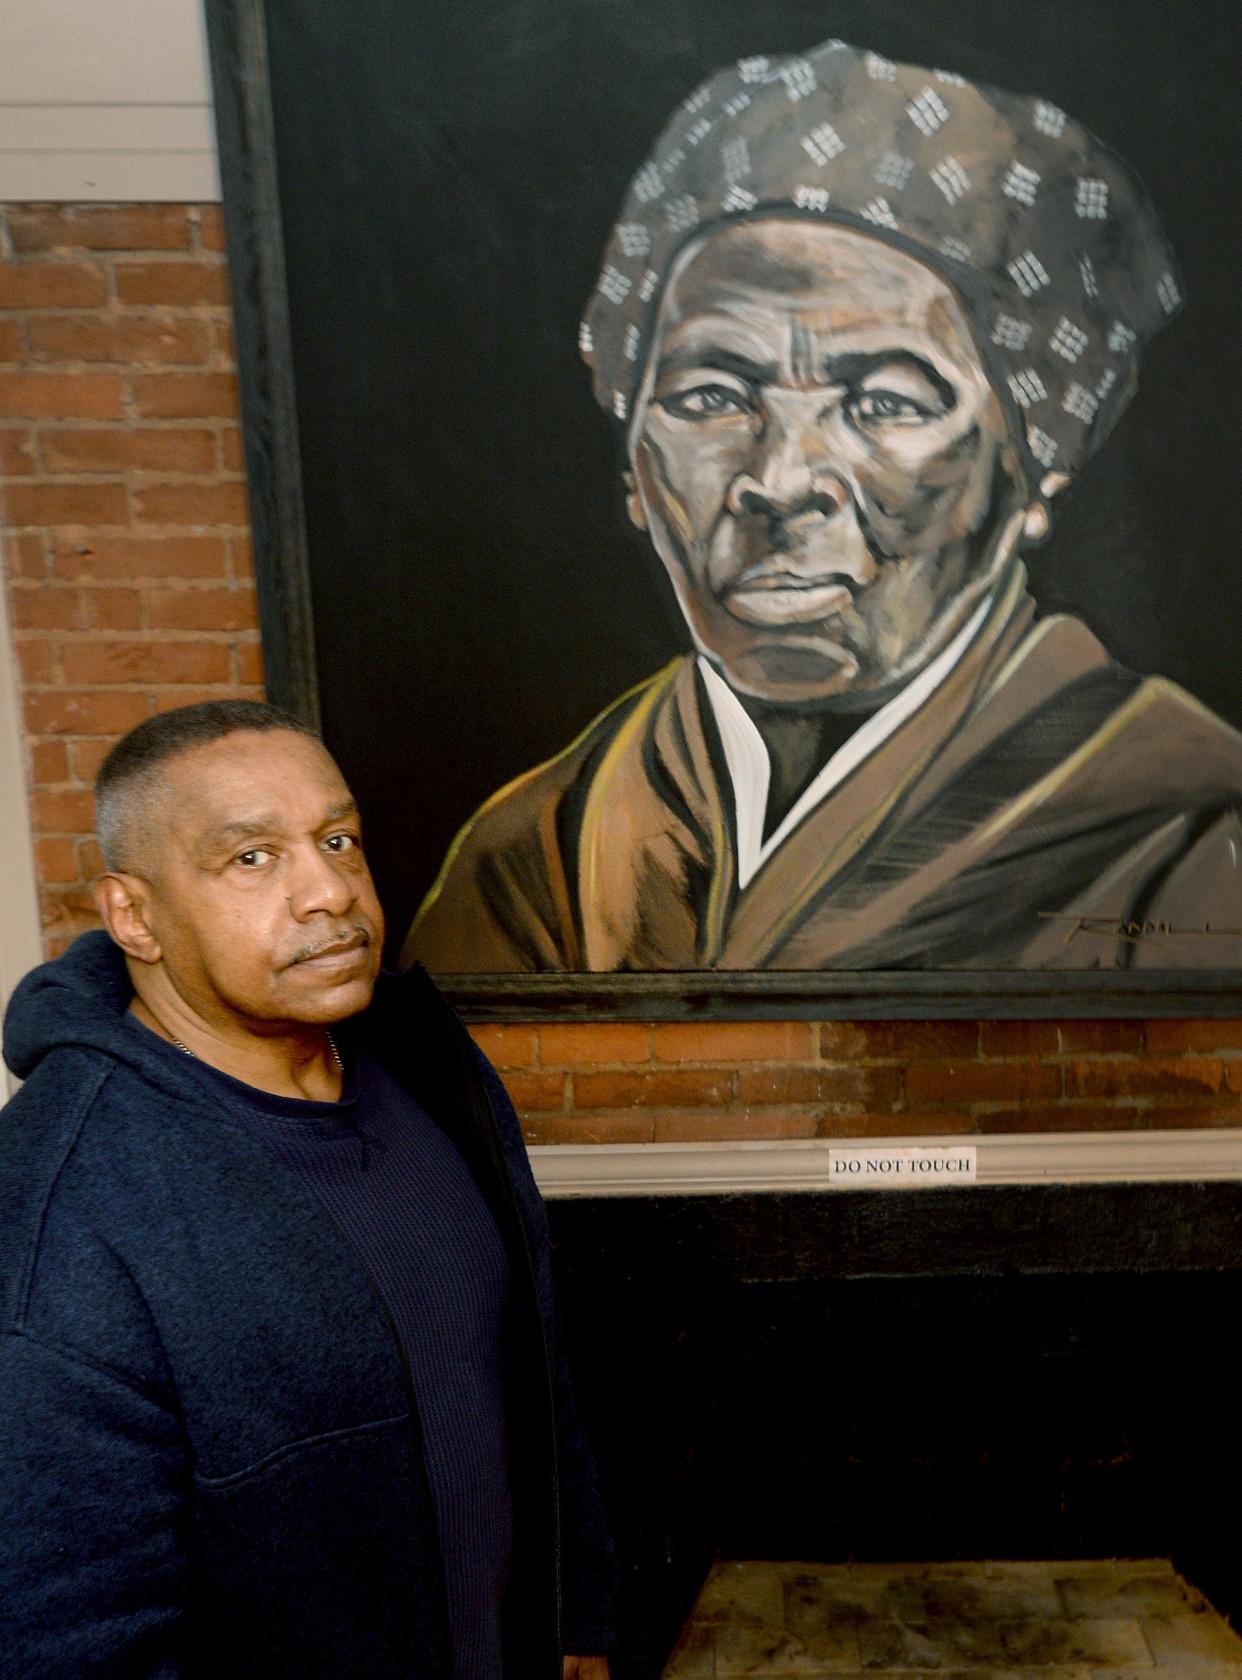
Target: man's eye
{"type": "Point", "coordinates": [255, 858]}
{"type": "Point", "coordinates": [341, 843]}
{"type": "Point", "coordinates": [705, 402]}
{"type": "Point", "coordinates": [889, 407]}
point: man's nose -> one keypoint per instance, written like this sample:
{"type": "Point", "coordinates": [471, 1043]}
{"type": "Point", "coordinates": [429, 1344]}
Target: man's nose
{"type": "Point", "coordinates": [792, 470]}
{"type": "Point", "coordinates": [318, 883]}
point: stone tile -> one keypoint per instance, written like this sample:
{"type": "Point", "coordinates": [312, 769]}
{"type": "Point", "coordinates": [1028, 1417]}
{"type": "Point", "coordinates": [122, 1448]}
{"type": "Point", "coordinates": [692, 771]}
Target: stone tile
{"type": "Point", "coordinates": [747, 1594]}
{"type": "Point", "coordinates": [1102, 1640]}
{"type": "Point", "coordinates": [973, 1599]}
{"type": "Point", "coordinates": [1193, 1644]}
{"type": "Point", "coordinates": [1135, 1595]}
{"type": "Point", "coordinates": [760, 1650]}
{"type": "Point", "coordinates": [694, 1656]}
{"type": "Point", "coordinates": [893, 1644]}
{"type": "Point", "coordinates": [908, 1571]}
{"type": "Point", "coordinates": [814, 1601]}
{"type": "Point", "coordinates": [1134, 1567]}
{"type": "Point", "coordinates": [1046, 1568]}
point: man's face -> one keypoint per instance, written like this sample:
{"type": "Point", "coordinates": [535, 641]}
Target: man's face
{"type": "Point", "coordinates": [819, 459]}
{"type": "Point", "coordinates": [260, 896]}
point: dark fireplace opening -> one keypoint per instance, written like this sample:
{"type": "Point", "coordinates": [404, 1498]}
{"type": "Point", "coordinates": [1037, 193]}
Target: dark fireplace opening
{"type": "Point", "coordinates": [1001, 1373]}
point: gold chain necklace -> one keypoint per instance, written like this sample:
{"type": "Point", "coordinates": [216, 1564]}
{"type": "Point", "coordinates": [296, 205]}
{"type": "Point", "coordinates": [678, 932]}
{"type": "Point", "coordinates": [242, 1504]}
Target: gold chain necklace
{"type": "Point", "coordinates": [336, 1054]}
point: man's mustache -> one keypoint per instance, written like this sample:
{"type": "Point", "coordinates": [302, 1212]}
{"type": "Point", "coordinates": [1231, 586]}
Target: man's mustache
{"type": "Point", "coordinates": [358, 934]}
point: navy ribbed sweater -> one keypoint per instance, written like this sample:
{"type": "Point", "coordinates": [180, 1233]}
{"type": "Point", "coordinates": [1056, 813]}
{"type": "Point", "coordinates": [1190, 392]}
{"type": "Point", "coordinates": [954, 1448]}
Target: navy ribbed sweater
{"type": "Point", "coordinates": [401, 1194]}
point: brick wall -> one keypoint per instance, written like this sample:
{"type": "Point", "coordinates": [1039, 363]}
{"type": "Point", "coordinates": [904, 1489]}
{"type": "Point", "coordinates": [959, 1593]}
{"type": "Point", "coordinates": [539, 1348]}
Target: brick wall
{"type": "Point", "coordinates": [122, 499]}
{"type": "Point", "coordinates": [126, 548]}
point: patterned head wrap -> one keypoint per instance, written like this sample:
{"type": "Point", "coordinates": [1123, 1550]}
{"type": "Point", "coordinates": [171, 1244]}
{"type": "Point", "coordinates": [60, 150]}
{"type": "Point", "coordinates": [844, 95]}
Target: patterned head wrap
{"type": "Point", "coordinates": [1048, 237]}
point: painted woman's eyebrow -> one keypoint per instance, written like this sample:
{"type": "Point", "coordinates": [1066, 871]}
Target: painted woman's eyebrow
{"type": "Point", "coordinates": [853, 368]}
{"type": "Point", "coordinates": [720, 360]}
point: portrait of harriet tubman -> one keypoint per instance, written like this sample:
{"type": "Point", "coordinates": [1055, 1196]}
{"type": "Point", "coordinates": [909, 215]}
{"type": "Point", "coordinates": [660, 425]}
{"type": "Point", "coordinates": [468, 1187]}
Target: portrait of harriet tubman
{"type": "Point", "coordinates": [862, 323]}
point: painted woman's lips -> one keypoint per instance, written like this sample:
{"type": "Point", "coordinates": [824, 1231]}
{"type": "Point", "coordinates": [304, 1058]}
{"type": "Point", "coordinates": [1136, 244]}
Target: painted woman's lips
{"type": "Point", "coordinates": [783, 598]}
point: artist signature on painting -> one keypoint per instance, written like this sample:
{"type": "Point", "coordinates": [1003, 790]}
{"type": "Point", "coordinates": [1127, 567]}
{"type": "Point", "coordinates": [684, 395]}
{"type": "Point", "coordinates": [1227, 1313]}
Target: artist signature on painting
{"type": "Point", "coordinates": [1132, 931]}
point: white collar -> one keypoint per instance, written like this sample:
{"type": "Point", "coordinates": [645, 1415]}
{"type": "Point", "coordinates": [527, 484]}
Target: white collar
{"type": "Point", "coordinates": [750, 769]}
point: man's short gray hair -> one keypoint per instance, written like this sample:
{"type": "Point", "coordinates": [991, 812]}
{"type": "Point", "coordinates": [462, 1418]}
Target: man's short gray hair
{"type": "Point", "coordinates": [127, 775]}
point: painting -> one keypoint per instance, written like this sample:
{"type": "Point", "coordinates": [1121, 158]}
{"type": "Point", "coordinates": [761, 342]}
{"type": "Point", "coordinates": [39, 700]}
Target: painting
{"type": "Point", "coordinates": [858, 618]}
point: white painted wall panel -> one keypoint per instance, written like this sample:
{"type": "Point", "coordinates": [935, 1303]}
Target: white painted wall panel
{"type": "Point", "coordinates": [105, 100]}
{"type": "Point", "coordinates": [95, 52]}
{"type": "Point", "coordinates": [20, 945]}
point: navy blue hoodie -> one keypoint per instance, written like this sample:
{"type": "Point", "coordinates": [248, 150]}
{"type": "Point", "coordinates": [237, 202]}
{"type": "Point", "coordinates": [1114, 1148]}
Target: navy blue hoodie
{"type": "Point", "coordinates": [210, 1460]}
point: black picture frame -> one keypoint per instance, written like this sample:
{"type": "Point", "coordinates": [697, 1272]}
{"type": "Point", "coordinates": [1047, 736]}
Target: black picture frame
{"type": "Point", "coordinates": [256, 216]}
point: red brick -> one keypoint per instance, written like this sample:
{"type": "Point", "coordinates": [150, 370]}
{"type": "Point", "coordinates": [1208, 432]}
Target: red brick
{"type": "Point", "coordinates": [1234, 1076]}
{"type": "Point", "coordinates": [1187, 1076]}
{"type": "Point", "coordinates": [232, 452]}
{"type": "Point", "coordinates": [250, 664]}
{"type": "Point", "coordinates": [46, 607]}
{"type": "Point", "coordinates": [972, 1082]}
{"type": "Point", "coordinates": [146, 662]}
{"type": "Point", "coordinates": [63, 396]}
{"type": "Point", "coordinates": [733, 1041]}
{"type": "Point", "coordinates": [25, 554]}
{"type": "Point", "coordinates": [90, 859]}
{"type": "Point", "coordinates": [11, 348]}
{"type": "Point", "coordinates": [66, 811]}
{"type": "Point", "coordinates": [1018, 1038]}
{"type": "Point", "coordinates": [588, 1043]}
{"type": "Point", "coordinates": [1061, 1117]}
{"type": "Point", "coordinates": [201, 609]}
{"type": "Point", "coordinates": [936, 1124]}
{"type": "Point", "coordinates": [92, 556]}
{"type": "Point", "coordinates": [1103, 1038]}
{"type": "Point", "coordinates": [224, 343]}
{"type": "Point", "coordinates": [187, 694]}
{"type": "Point", "coordinates": [1167, 1038]}
{"type": "Point", "coordinates": [36, 661]}
{"type": "Point", "coordinates": [85, 758]}
{"type": "Point", "coordinates": [112, 609]}
{"type": "Point", "coordinates": [103, 227]}
{"type": "Point", "coordinates": [1224, 1111]}
{"type": "Point", "coordinates": [652, 1088]}
{"type": "Point", "coordinates": [17, 455]}
{"type": "Point", "coordinates": [118, 449]}
{"type": "Point", "coordinates": [67, 713]}
{"type": "Point", "coordinates": [186, 396]}
{"type": "Point", "coordinates": [211, 234]}
{"type": "Point", "coordinates": [135, 341]}
{"type": "Point", "coordinates": [65, 504]}
{"type": "Point", "coordinates": [174, 281]}
{"type": "Point", "coordinates": [588, 1128]}
{"type": "Point", "coordinates": [49, 761]}
{"type": "Point", "coordinates": [896, 1041]}
{"type": "Point", "coordinates": [52, 285]}
{"type": "Point", "coordinates": [242, 549]}
{"type": "Point", "coordinates": [707, 1127]}
{"type": "Point", "coordinates": [56, 861]}
{"type": "Point", "coordinates": [192, 504]}
{"type": "Point", "coordinates": [536, 1092]}
{"type": "Point", "coordinates": [504, 1046]}
{"type": "Point", "coordinates": [856, 1087]}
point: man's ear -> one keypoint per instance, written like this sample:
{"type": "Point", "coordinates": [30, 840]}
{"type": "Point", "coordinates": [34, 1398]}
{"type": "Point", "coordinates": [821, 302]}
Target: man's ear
{"type": "Point", "coordinates": [123, 902]}
{"type": "Point", "coordinates": [634, 502]}
{"type": "Point", "coordinates": [1038, 520]}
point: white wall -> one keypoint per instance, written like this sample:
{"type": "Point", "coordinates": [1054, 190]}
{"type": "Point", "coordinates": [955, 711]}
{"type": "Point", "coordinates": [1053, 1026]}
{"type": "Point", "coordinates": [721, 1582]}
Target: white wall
{"type": "Point", "coordinates": [105, 100]}
{"type": "Point", "coordinates": [19, 914]}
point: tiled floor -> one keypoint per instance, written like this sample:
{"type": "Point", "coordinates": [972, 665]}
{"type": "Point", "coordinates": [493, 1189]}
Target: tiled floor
{"type": "Point", "coordinates": [967, 1621]}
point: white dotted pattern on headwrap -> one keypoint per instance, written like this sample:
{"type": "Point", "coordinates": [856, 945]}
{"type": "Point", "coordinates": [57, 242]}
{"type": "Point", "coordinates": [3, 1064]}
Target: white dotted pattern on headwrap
{"type": "Point", "coordinates": [1051, 240]}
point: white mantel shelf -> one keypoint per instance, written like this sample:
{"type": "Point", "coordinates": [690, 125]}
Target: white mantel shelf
{"type": "Point", "coordinates": [704, 1169]}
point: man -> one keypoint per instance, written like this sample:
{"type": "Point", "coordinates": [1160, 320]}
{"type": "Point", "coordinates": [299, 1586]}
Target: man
{"type": "Point", "coordinates": [863, 322]}
{"type": "Point", "coordinates": [281, 1384]}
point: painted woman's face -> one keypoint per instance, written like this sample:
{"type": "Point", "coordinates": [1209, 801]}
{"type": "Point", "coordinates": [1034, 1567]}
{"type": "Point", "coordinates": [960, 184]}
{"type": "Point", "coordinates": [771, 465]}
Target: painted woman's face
{"type": "Point", "coordinates": [819, 460]}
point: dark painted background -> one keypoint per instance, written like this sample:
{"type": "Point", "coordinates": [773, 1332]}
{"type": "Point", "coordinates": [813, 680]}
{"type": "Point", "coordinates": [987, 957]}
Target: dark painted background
{"type": "Point", "coordinates": [448, 175]}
